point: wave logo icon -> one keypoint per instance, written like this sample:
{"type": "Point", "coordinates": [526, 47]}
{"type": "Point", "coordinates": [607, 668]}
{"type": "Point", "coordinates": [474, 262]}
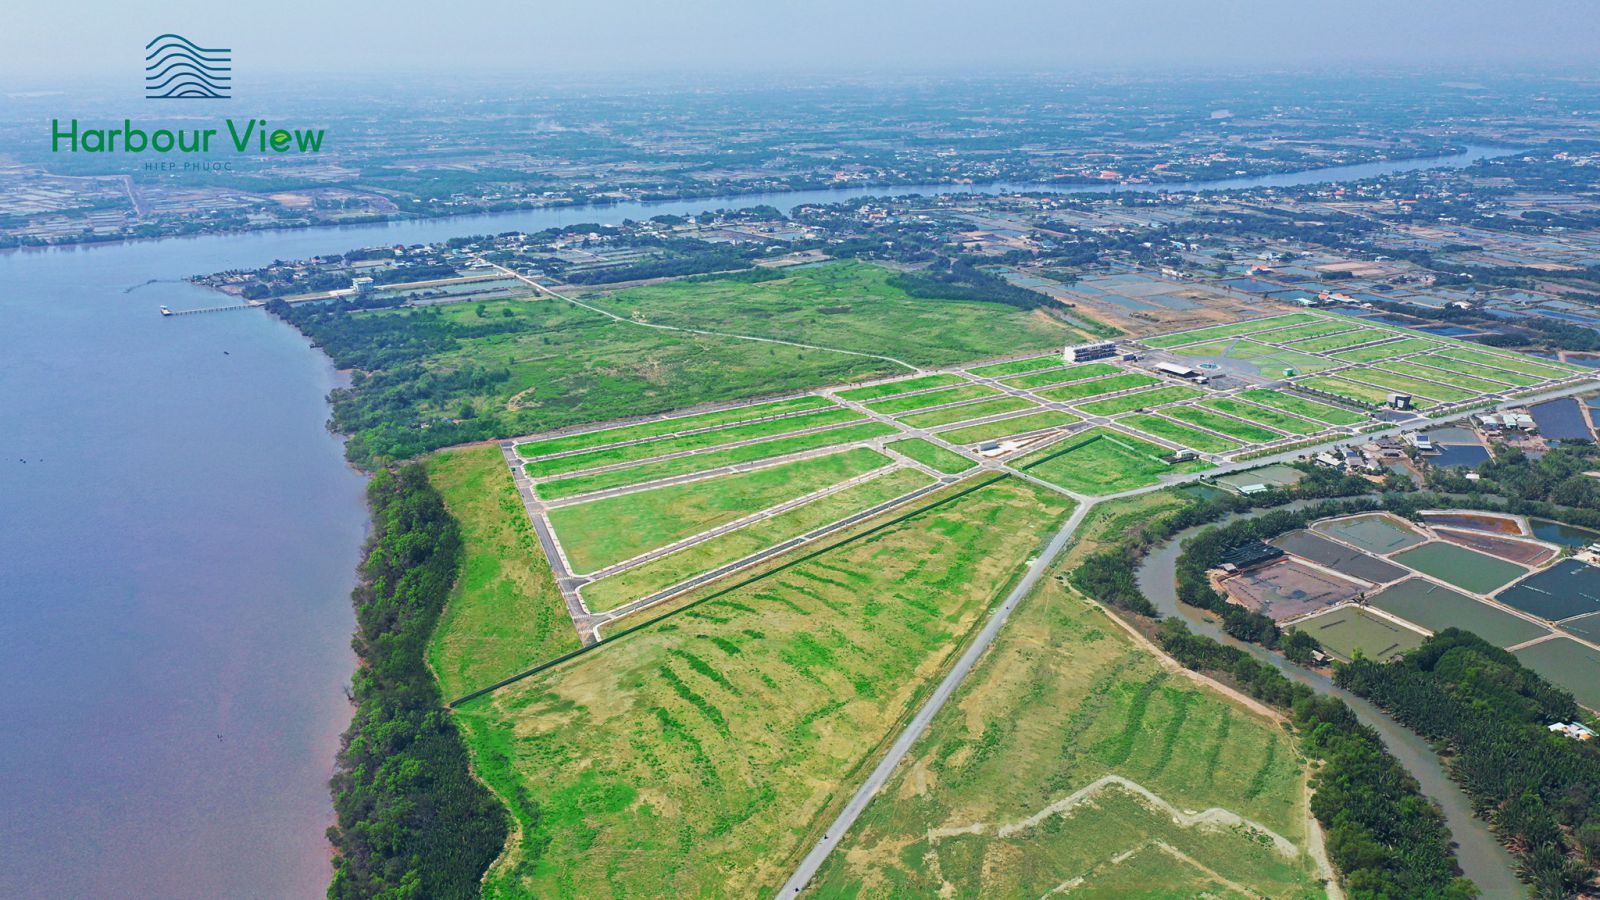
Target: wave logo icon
{"type": "Point", "coordinates": [177, 68]}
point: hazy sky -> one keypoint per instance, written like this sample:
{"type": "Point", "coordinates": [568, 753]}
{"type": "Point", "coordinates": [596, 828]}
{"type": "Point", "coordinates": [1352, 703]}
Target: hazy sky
{"type": "Point", "coordinates": [43, 40]}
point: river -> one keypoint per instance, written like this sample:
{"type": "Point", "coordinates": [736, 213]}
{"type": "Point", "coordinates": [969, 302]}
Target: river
{"type": "Point", "coordinates": [180, 535]}
{"type": "Point", "coordinates": [1483, 858]}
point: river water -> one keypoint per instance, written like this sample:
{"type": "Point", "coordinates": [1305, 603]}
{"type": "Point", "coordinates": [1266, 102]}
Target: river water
{"type": "Point", "coordinates": [178, 538]}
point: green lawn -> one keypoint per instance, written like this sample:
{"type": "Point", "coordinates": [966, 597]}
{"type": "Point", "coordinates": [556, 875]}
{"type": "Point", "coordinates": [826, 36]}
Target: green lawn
{"type": "Point", "coordinates": [891, 388]}
{"type": "Point", "coordinates": [602, 532]}
{"type": "Point", "coordinates": [577, 462]}
{"type": "Point", "coordinates": [711, 459]}
{"type": "Point", "coordinates": [1061, 376]}
{"type": "Point", "coordinates": [1017, 366]}
{"type": "Point", "coordinates": [1127, 402]}
{"type": "Point", "coordinates": [1387, 351]}
{"type": "Point", "coordinates": [937, 417]}
{"type": "Point", "coordinates": [1272, 418]}
{"type": "Point", "coordinates": [1516, 379]}
{"type": "Point", "coordinates": [1332, 342]}
{"type": "Point", "coordinates": [1230, 330]}
{"type": "Point", "coordinates": [1182, 435]}
{"type": "Point", "coordinates": [659, 574]}
{"type": "Point", "coordinates": [504, 614]}
{"type": "Point", "coordinates": [1244, 431]}
{"type": "Point", "coordinates": [661, 427]}
{"type": "Point", "coordinates": [1303, 407]}
{"type": "Point", "coordinates": [932, 455]}
{"type": "Point", "coordinates": [1103, 461]}
{"type": "Point", "coordinates": [897, 405]}
{"type": "Point", "coordinates": [704, 754]}
{"type": "Point", "coordinates": [1515, 363]}
{"type": "Point", "coordinates": [1038, 421]}
{"type": "Point", "coordinates": [1392, 382]}
{"type": "Point", "coordinates": [1339, 387]}
{"type": "Point", "coordinates": [1308, 330]}
{"type": "Point", "coordinates": [1454, 378]}
{"type": "Point", "coordinates": [1097, 386]}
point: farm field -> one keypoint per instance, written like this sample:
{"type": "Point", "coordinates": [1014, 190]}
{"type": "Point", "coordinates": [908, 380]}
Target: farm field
{"type": "Point", "coordinates": [1097, 386]}
{"type": "Point", "coordinates": [1128, 402]}
{"type": "Point", "coordinates": [1346, 630]}
{"type": "Point", "coordinates": [1215, 332]}
{"type": "Point", "coordinates": [1436, 608]}
{"type": "Point", "coordinates": [650, 471]}
{"type": "Point", "coordinates": [1103, 461]}
{"type": "Point", "coordinates": [1053, 762]}
{"type": "Point", "coordinates": [966, 412]}
{"type": "Point", "coordinates": [504, 614]}
{"type": "Point", "coordinates": [1303, 407]}
{"type": "Point", "coordinates": [989, 431]}
{"type": "Point", "coordinates": [1016, 366]}
{"type": "Point", "coordinates": [904, 386]}
{"type": "Point", "coordinates": [1167, 429]}
{"type": "Point", "coordinates": [1244, 431]}
{"type": "Point", "coordinates": [1466, 569]}
{"type": "Point", "coordinates": [932, 455]}
{"type": "Point", "coordinates": [1059, 376]}
{"type": "Point", "coordinates": [699, 755]}
{"type": "Point", "coordinates": [896, 405]}
{"type": "Point", "coordinates": [658, 574]}
{"type": "Point", "coordinates": [601, 532]}
{"type": "Point", "coordinates": [1568, 664]}
{"type": "Point", "coordinates": [663, 427]}
{"type": "Point", "coordinates": [1272, 418]}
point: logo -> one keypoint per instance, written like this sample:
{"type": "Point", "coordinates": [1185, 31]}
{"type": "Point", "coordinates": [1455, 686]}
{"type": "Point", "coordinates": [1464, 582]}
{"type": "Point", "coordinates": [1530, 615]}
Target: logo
{"type": "Point", "coordinates": [177, 68]}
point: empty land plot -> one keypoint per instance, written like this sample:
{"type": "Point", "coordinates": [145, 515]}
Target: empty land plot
{"type": "Point", "coordinates": [1437, 608]}
{"type": "Point", "coordinates": [896, 405]}
{"type": "Point", "coordinates": [1260, 356]}
{"type": "Point", "coordinates": [932, 455]}
{"type": "Point", "coordinates": [1244, 431]}
{"type": "Point", "coordinates": [1568, 588]}
{"type": "Point", "coordinates": [1569, 664]}
{"type": "Point", "coordinates": [1378, 533]}
{"type": "Point", "coordinates": [988, 802]}
{"type": "Point", "coordinates": [1308, 330]}
{"type": "Point", "coordinates": [1341, 341]}
{"type": "Point", "coordinates": [1347, 630]}
{"type": "Point", "coordinates": [1272, 418]}
{"type": "Point", "coordinates": [1017, 366]}
{"type": "Point", "coordinates": [659, 574]}
{"type": "Point", "coordinates": [1466, 569]}
{"type": "Point", "coordinates": [577, 462]}
{"type": "Point", "coordinates": [1387, 350]}
{"type": "Point", "coordinates": [967, 412]}
{"type": "Point", "coordinates": [891, 388]}
{"type": "Point", "coordinates": [1516, 379]}
{"type": "Point", "coordinates": [1095, 387]}
{"type": "Point", "coordinates": [1103, 461]}
{"type": "Point", "coordinates": [710, 459]}
{"type": "Point", "coordinates": [1233, 330]}
{"type": "Point", "coordinates": [990, 431]}
{"type": "Point", "coordinates": [1360, 393]}
{"type": "Point", "coordinates": [1455, 379]}
{"type": "Point", "coordinates": [700, 755]}
{"type": "Point", "coordinates": [1520, 364]}
{"type": "Point", "coordinates": [663, 427]}
{"type": "Point", "coordinates": [1288, 588]}
{"type": "Point", "coordinates": [1416, 387]}
{"type": "Point", "coordinates": [1061, 376]}
{"type": "Point", "coordinates": [1303, 407]}
{"type": "Point", "coordinates": [1338, 557]}
{"type": "Point", "coordinates": [1183, 435]}
{"type": "Point", "coordinates": [602, 532]}
{"type": "Point", "coordinates": [1129, 402]}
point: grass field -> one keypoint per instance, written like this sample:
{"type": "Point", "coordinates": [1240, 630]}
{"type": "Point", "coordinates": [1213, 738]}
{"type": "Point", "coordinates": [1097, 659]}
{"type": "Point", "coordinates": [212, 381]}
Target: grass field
{"type": "Point", "coordinates": [1436, 608]}
{"type": "Point", "coordinates": [990, 431]}
{"type": "Point", "coordinates": [1454, 379]}
{"type": "Point", "coordinates": [1179, 434]}
{"type": "Point", "coordinates": [1467, 569]}
{"type": "Point", "coordinates": [896, 405]}
{"type": "Point", "coordinates": [711, 459]}
{"type": "Point", "coordinates": [1129, 402]}
{"type": "Point", "coordinates": [1302, 332]}
{"type": "Point", "coordinates": [1515, 363]}
{"type": "Point", "coordinates": [1244, 431]}
{"type": "Point", "coordinates": [1267, 360]}
{"type": "Point", "coordinates": [1332, 342]}
{"type": "Point", "coordinates": [577, 462]}
{"type": "Point", "coordinates": [1097, 386]}
{"type": "Point", "coordinates": [642, 581]}
{"type": "Point", "coordinates": [602, 532]}
{"type": "Point", "coordinates": [1103, 461]}
{"type": "Point", "coordinates": [1516, 379]}
{"type": "Point", "coordinates": [1017, 366]}
{"type": "Point", "coordinates": [505, 614]}
{"type": "Point", "coordinates": [1221, 331]}
{"type": "Point", "coordinates": [1303, 407]}
{"type": "Point", "coordinates": [892, 388]}
{"type": "Point", "coordinates": [1272, 418]}
{"type": "Point", "coordinates": [1062, 700]}
{"type": "Point", "coordinates": [663, 427]}
{"type": "Point", "coordinates": [1387, 350]}
{"type": "Point", "coordinates": [698, 756]}
{"type": "Point", "coordinates": [1060, 376]}
{"type": "Point", "coordinates": [979, 410]}
{"type": "Point", "coordinates": [932, 455]}
{"type": "Point", "coordinates": [1350, 390]}
{"type": "Point", "coordinates": [1347, 630]}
